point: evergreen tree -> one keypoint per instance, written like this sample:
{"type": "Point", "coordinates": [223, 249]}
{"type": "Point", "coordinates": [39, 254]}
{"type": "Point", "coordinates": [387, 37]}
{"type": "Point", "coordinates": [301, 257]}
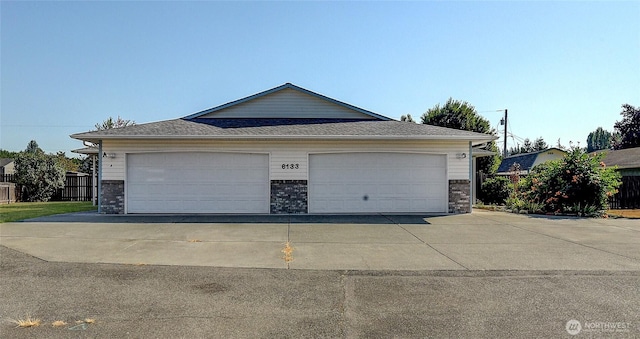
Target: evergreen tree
{"type": "Point", "coordinates": [599, 139]}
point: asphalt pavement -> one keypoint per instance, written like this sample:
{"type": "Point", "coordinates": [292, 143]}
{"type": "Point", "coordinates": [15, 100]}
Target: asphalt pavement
{"type": "Point", "coordinates": [483, 275]}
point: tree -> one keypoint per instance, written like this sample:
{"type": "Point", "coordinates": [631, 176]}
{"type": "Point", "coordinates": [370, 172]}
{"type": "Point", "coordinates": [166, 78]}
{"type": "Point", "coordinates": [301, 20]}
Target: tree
{"type": "Point", "coordinates": [461, 115]}
{"type": "Point", "coordinates": [67, 164]}
{"type": "Point", "coordinates": [110, 123]}
{"type": "Point", "coordinates": [86, 165]}
{"type": "Point", "coordinates": [527, 146]}
{"type": "Point", "coordinates": [8, 154]}
{"type": "Point", "coordinates": [540, 145]}
{"type": "Point", "coordinates": [537, 145]}
{"type": "Point", "coordinates": [515, 150]}
{"type": "Point", "coordinates": [32, 147]}
{"type": "Point", "coordinates": [599, 139]}
{"type": "Point", "coordinates": [38, 174]}
{"type": "Point", "coordinates": [407, 118]}
{"type": "Point", "coordinates": [628, 127]}
{"type": "Point", "coordinates": [457, 114]}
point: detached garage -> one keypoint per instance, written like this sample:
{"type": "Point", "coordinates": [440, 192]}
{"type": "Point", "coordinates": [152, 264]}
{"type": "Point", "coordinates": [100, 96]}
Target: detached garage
{"type": "Point", "coordinates": [284, 150]}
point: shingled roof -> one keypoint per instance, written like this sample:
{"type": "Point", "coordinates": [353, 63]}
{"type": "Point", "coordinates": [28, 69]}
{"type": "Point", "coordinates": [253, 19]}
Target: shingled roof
{"type": "Point", "coordinates": [5, 161]}
{"type": "Point", "coordinates": [525, 160]}
{"type": "Point", "coordinates": [624, 158]}
{"type": "Point", "coordinates": [350, 123]}
{"type": "Point", "coordinates": [283, 128]}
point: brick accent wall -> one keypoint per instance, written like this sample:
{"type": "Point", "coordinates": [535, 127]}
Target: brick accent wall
{"type": "Point", "coordinates": [112, 197]}
{"type": "Point", "coordinates": [459, 196]}
{"type": "Point", "coordinates": [289, 196]}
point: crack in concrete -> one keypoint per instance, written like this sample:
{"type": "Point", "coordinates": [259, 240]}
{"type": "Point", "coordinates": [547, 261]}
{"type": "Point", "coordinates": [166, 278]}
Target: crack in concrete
{"type": "Point", "coordinates": [424, 242]}
{"type": "Point", "coordinates": [562, 239]}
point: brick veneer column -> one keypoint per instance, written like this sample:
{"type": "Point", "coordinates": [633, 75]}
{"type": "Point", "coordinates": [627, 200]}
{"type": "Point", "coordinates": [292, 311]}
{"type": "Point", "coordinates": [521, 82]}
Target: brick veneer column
{"type": "Point", "coordinates": [289, 196]}
{"type": "Point", "coordinates": [459, 196]}
{"type": "Point", "coordinates": [112, 199]}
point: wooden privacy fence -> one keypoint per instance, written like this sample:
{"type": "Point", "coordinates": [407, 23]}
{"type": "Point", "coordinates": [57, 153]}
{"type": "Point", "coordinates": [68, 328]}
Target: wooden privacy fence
{"type": "Point", "coordinates": [76, 188]}
{"type": "Point", "coordinates": [628, 195]}
{"type": "Point", "coordinates": [8, 193]}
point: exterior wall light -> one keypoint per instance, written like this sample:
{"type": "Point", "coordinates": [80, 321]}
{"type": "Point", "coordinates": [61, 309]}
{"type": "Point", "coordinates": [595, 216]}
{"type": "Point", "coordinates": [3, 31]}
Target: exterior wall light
{"type": "Point", "coordinates": [461, 155]}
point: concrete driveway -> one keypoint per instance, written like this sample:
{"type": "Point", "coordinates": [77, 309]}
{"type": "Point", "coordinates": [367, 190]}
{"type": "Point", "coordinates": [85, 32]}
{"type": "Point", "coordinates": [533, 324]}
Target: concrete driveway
{"type": "Point", "coordinates": [479, 241]}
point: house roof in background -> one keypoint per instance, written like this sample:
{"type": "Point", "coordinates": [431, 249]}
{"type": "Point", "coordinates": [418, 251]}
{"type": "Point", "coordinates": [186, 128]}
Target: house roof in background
{"type": "Point", "coordinates": [623, 158]}
{"type": "Point", "coordinates": [283, 87]}
{"type": "Point", "coordinates": [5, 161]}
{"type": "Point", "coordinates": [525, 160]}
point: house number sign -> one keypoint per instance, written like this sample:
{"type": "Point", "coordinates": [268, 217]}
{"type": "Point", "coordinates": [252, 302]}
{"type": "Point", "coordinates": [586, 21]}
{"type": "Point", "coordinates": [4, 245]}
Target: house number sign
{"type": "Point", "coordinates": [291, 166]}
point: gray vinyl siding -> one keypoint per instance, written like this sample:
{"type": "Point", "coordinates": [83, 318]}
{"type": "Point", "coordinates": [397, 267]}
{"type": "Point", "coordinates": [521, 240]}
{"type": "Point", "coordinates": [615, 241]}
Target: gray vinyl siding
{"type": "Point", "coordinates": [288, 103]}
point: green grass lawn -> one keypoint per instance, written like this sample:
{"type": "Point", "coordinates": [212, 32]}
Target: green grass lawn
{"type": "Point", "coordinates": [28, 210]}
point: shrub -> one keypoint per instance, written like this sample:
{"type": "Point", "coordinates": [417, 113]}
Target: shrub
{"type": "Point", "coordinates": [579, 183]}
{"type": "Point", "coordinates": [496, 190]}
{"type": "Point", "coordinates": [38, 174]}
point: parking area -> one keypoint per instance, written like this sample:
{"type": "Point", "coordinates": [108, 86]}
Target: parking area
{"type": "Point", "coordinates": [482, 240]}
{"type": "Point", "coordinates": [480, 275]}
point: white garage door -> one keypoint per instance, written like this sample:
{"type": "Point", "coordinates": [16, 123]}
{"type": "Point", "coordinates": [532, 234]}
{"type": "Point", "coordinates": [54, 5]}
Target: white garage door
{"type": "Point", "coordinates": [377, 182]}
{"type": "Point", "coordinates": [197, 183]}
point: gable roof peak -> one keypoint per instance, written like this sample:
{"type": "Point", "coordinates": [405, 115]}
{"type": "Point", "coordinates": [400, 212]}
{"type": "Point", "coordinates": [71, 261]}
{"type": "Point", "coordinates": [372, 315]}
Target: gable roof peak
{"type": "Point", "coordinates": [288, 85]}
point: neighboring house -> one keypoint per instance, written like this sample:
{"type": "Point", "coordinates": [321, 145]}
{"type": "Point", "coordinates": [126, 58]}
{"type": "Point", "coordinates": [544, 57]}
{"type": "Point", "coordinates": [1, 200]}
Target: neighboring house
{"type": "Point", "coordinates": [627, 162]}
{"type": "Point", "coordinates": [527, 161]}
{"type": "Point", "coordinates": [7, 166]}
{"type": "Point", "coordinates": [284, 150]}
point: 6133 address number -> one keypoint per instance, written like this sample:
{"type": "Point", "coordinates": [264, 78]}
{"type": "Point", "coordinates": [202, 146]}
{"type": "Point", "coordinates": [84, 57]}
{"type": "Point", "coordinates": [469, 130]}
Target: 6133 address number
{"type": "Point", "coordinates": [290, 166]}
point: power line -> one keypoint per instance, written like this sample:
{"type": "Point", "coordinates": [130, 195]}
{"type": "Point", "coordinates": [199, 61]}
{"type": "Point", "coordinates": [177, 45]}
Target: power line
{"type": "Point", "coordinates": [48, 126]}
{"type": "Point", "coordinates": [491, 111]}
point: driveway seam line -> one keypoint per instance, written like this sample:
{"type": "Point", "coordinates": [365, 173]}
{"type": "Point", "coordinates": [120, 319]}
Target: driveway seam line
{"type": "Point", "coordinates": [288, 240]}
{"type": "Point", "coordinates": [597, 222]}
{"type": "Point", "coordinates": [424, 242]}
{"type": "Point", "coordinates": [567, 240]}
{"type": "Point", "coordinates": [138, 239]}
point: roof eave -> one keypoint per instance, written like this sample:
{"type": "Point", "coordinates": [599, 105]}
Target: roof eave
{"type": "Point", "coordinates": [85, 150]}
{"type": "Point", "coordinates": [475, 140]}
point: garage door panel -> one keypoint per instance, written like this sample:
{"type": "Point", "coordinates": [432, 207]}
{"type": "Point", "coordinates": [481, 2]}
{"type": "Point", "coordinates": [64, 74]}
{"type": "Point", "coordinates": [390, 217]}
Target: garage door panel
{"type": "Point", "coordinates": [377, 182]}
{"type": "Point", "coordinates": [349, 188]}
{"type": "Point", "coordinates": [197, 183]}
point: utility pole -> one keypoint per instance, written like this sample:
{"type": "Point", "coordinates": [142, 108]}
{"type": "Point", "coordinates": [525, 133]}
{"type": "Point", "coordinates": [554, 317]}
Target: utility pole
{"type": "Point", "coordinates": [504, 122]}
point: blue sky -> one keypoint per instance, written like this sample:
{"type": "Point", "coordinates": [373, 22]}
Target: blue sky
{"type": "Point", "coordinates": [561, 68]}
